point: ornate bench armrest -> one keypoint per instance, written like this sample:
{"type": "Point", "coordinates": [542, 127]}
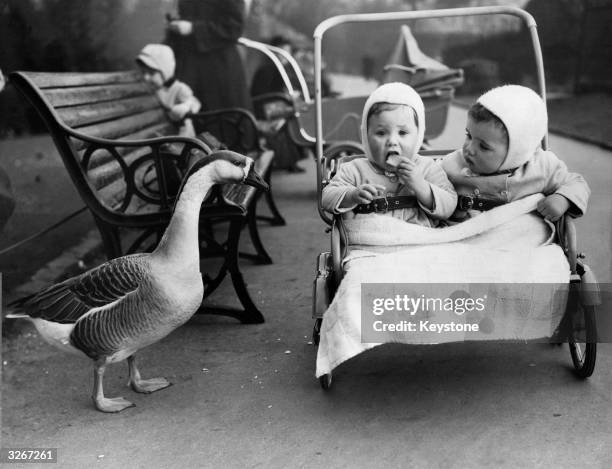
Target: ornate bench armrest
{"type": "Point", "coordinates": [124, 174]}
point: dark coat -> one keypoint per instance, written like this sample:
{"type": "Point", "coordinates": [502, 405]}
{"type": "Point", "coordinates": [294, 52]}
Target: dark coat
{"type": "Point", "coordinates": [267, 79]}
{"type": "Point", "coordinates": [208, 60]}
{"type": "Point", "coordinates": [7, 199]}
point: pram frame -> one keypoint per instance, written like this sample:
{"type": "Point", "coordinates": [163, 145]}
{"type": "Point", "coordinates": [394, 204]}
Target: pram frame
{"type": "Point", "coordinates": [272, 53]}
{"type": "Point", "coordinates": [583, 284]}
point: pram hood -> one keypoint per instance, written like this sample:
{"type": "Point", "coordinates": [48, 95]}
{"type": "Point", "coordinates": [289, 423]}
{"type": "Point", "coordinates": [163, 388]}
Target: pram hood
{"type": "Point", "coordinates": [395, 93]}
{"type": "Point", "coordinates": [407, 52]}
{"type": "Point", "coordinates": [523, 112]}
{"type": "Point", "coordinates": [408, 64]}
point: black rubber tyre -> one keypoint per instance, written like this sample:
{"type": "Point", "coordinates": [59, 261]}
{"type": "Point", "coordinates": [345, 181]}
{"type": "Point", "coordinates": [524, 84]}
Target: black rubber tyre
{"type": "Point", "coordinates": [316, 331]}
{"type": "Point", "coordinates": [584, 354]}
{"type": "Point", "coordinates": [326, 381]}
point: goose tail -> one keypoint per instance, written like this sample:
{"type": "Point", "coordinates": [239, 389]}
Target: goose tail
{"type": "Point", "coordinates": [15, 308]}
{"type": "Point", "coordinates": [16, 315]}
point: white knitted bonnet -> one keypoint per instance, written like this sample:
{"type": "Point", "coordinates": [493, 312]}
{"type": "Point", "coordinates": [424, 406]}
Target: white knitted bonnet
{"type": "Point", "coordinates": [159, 57]}
{"type": "Point", "coordinates": [523, 112]}
{"type": "Point", "coordinates": [394, 93]}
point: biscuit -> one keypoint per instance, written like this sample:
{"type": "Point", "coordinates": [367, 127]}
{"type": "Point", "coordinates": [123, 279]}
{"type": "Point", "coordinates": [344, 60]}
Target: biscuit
{"type": "Point", "coordinates": [393, 160]}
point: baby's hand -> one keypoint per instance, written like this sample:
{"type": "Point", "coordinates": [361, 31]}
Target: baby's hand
{"type": "Point", "coordinates": [178, 111]}
{"type": "Point", "coordinates": [553, 207]}
{"type": "Point", "coordinates": [410, 174]}
{"type": "Point", "coordinates": [363, 194]}
{"type": "Point", "coordinates": [181, 27]}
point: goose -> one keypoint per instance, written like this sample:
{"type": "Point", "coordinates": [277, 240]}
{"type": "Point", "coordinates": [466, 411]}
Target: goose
{"type": "Point", "coordinates": [111, 311]}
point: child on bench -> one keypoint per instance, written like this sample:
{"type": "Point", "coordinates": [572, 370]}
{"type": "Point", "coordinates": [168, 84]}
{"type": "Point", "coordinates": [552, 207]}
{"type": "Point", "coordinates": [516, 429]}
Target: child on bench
{"type": "Point", "coordinates": [157, 64]}
{"type": "Point", "coordinates": [394, 179]}
{"type": "Point", "coordinates": [502, 160]}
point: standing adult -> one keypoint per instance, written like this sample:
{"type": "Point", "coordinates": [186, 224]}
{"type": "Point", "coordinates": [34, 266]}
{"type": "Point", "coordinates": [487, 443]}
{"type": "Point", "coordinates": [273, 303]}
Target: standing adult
{"type": "Point", "coordinates": [204, 39]}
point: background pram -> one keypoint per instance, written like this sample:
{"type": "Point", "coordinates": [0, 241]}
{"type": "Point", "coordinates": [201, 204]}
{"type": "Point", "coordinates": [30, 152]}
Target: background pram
{"type": "Point", "coordinates": [434, 81]}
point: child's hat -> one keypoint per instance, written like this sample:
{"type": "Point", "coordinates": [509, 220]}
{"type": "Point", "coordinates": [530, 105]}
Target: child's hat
{"type": "Point", "coordinates": [394, 93]}
{"type": "Point", "coordinates": [523, 112]}
{"type": "Point", "coordinates": [158, 57]}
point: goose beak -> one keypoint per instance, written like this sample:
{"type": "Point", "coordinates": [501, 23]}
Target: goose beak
{"type": "Point", "coordinates": [254, 179]}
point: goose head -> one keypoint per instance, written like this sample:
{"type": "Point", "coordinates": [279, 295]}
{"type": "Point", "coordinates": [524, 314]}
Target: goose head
{"type": "Point", "coordinates": [225, 166]}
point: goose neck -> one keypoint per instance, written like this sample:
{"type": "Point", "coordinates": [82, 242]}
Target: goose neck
{"type": "Point", "coordinates": [180, 242]}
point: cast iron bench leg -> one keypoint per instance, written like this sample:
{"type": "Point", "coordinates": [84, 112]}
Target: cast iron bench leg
{"type": "Point", "coordinates": [262, 257]}
{"type": "Point", "coordinates": [276, 219]}
{"type": "Point", "coordinates": [250, 314]}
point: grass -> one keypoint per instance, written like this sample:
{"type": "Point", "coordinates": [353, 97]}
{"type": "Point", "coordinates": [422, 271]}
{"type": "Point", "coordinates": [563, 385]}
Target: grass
{"type": "Point", "coordinates": [585, 117]}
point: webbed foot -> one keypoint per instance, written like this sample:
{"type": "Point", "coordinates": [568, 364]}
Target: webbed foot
{"type": "Point", "coordinates": [149, 385]}
{"type": "Point", "coordinates": [144, 385]}
{"type": "Point", "coordinates": [112, 405]}
{"type": "Point", "coordinates": [106, 404]}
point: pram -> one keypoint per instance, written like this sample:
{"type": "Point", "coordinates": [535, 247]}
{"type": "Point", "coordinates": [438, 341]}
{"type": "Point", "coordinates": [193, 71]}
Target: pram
{"type": "Point", "coordinates": [576, 321]}
{"type": "Point", "coordinates": [272, 105]}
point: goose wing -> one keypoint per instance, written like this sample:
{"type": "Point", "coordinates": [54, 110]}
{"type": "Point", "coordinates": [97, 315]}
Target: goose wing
{"type": "Point", "coordinates": [69, 300]}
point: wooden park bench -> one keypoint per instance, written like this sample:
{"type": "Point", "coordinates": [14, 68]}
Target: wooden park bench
{"type": "Point", "coordinates": [123, 155]}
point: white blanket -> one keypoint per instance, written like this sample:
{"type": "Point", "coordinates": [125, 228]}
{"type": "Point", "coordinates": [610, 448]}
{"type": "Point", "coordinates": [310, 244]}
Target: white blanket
{"type": "Point", "coordinates": [490, 228]}
{"type": "Point", "coordinates": [506, 245]}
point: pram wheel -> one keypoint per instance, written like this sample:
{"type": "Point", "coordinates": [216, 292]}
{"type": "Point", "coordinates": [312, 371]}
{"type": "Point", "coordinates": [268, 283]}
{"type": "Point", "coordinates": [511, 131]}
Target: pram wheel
{"type": "Point", "coordinates": [583, 343]}
{"type": "Point", "coordinates": [326, 381]}
{"type": "Point", "coordinates": [316, 331]}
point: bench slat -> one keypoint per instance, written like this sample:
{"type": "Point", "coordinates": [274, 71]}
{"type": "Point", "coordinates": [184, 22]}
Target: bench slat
{"type": "Point", "coordinates": [78, 116]}
{"type": "Point", "coordinates": [157, 130]}
{"type": "Point", "coordinates": [113, 194]}
{"type": "Point", "coordinates": [59, 97]}
{"type": "Point", "coordinates": [67, 79]}
{"type": "Point", "coordinates": [105, 174]}
{"type": "Point", "coordinates": [103, 157]}
{"type": "Point", "coordinates": [145, 123]}
{"type": "Point", "coordinates": [239, 194]}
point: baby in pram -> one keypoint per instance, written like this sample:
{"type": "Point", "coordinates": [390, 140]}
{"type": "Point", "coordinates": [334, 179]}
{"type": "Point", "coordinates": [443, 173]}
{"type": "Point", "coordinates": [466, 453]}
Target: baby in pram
{"type": "Point", "coordinates": [502, 160]}
{"type": "Point", "coordinates": [394, 179]}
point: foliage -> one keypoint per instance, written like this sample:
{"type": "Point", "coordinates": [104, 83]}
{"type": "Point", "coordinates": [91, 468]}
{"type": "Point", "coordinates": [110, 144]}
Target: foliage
{"type": "Point", "coordinates": [76, 35]}
{"type": "Point", "coordinates": [48, 32]}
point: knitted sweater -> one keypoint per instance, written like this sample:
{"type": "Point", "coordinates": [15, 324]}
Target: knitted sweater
{"type": "Point", "coordinates": [543, 173]}
{"type": "Point", "coordinates": [361, 171]}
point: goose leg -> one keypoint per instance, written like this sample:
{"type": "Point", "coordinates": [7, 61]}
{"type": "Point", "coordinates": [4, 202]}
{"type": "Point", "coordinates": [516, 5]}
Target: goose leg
{"type": "Point", "coordinates": [106, 404]}
{"type": "Point", "coordinates": [144, 385]}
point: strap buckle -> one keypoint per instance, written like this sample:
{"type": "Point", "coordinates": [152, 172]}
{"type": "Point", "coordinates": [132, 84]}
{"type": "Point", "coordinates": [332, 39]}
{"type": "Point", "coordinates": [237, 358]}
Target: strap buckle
{"type": "Point", "coordinates": [384, 208]}
{"type": "Point", "coordinates": [466, 202]}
